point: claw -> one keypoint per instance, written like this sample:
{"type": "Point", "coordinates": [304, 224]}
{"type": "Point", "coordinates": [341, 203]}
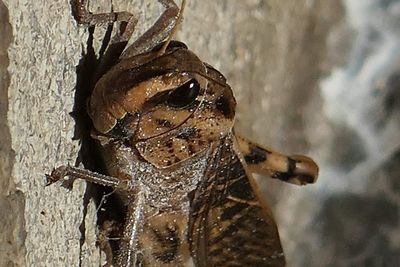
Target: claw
{"type": "Point", "coordinates": [56, 175]}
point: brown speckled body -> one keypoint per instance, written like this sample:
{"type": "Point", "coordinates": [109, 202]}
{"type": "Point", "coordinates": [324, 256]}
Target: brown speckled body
{"type": "Point", "coordinates": [158, 207]}
{"type": "Point", "coordinates": [163, 120]}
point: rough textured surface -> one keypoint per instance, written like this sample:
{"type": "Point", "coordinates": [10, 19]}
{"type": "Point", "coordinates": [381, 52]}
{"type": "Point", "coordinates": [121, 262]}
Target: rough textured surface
{"type": "Point", "coordinates": [12, 201]}
{"type": "Point", "coordinates": [42, 58]}
{"type": "Point", "coordinates": [275, 55]}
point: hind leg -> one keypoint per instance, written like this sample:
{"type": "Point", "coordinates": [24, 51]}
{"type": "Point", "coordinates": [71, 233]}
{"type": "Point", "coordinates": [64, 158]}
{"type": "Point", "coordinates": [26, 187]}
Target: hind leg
{"type": "Point", "coordinates": [294, 169]}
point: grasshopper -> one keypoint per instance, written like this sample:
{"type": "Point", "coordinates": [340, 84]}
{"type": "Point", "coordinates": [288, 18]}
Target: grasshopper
{"type": "Point", "coordinates": [164, 124]}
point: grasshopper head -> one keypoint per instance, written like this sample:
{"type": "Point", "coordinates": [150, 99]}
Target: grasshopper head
{"type": "Point", "coordinates": [169, 107]}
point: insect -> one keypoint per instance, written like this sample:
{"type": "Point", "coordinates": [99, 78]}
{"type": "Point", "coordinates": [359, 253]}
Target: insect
{"type": "Point", "coordinates": [163, 121]}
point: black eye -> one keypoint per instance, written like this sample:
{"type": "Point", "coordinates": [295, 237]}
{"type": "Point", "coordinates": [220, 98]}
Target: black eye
{"type": "Point", "coordinates": [184, 95]}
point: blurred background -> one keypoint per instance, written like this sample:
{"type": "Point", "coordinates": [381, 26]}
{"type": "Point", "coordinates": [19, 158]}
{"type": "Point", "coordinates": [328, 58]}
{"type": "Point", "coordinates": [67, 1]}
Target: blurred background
{"type": "Point", "coordinates": [320, 78]}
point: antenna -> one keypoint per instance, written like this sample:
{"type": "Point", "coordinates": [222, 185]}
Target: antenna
{"type": "Point", "coordinates": [172, 33]}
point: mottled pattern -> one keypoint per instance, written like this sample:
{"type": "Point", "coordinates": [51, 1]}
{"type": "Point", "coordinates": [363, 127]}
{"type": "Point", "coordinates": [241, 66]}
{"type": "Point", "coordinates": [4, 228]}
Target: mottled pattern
{"type": "Point", "coordinates": [295, 169]}
{"type": "Point", "coordinates": [162, 240]}
{"type": "Point", "coordinates": [230, 226]}
{"type": "Point", "coordinates": [141, 85]}
{"type": "Point", "coordinates": [255, 156]}
{"type": "Point", "coordinates": [211, 118]}
{"type": "Point", "coordinates": [168, 241]}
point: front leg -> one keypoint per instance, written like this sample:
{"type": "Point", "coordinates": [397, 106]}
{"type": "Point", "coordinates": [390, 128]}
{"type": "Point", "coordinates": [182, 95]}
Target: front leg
{"type": "Point", "coordinates": [119, 41]}
{"type": "Point", "coordinates": [162, 29]}
{"type": "Point", "coordinates": [93, 177]}
{"type": "Point", "coordinates": [83, 16]}
{"type": "Point", "coordinates": [299, 170]}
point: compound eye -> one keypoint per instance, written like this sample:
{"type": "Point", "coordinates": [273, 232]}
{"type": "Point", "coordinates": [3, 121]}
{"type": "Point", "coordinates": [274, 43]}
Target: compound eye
{"type": "Point", "coordinates": [184, 95]}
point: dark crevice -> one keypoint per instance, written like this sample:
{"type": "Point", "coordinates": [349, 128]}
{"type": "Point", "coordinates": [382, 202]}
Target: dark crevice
{"type": "Point", "coordinates": [89, 155]}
